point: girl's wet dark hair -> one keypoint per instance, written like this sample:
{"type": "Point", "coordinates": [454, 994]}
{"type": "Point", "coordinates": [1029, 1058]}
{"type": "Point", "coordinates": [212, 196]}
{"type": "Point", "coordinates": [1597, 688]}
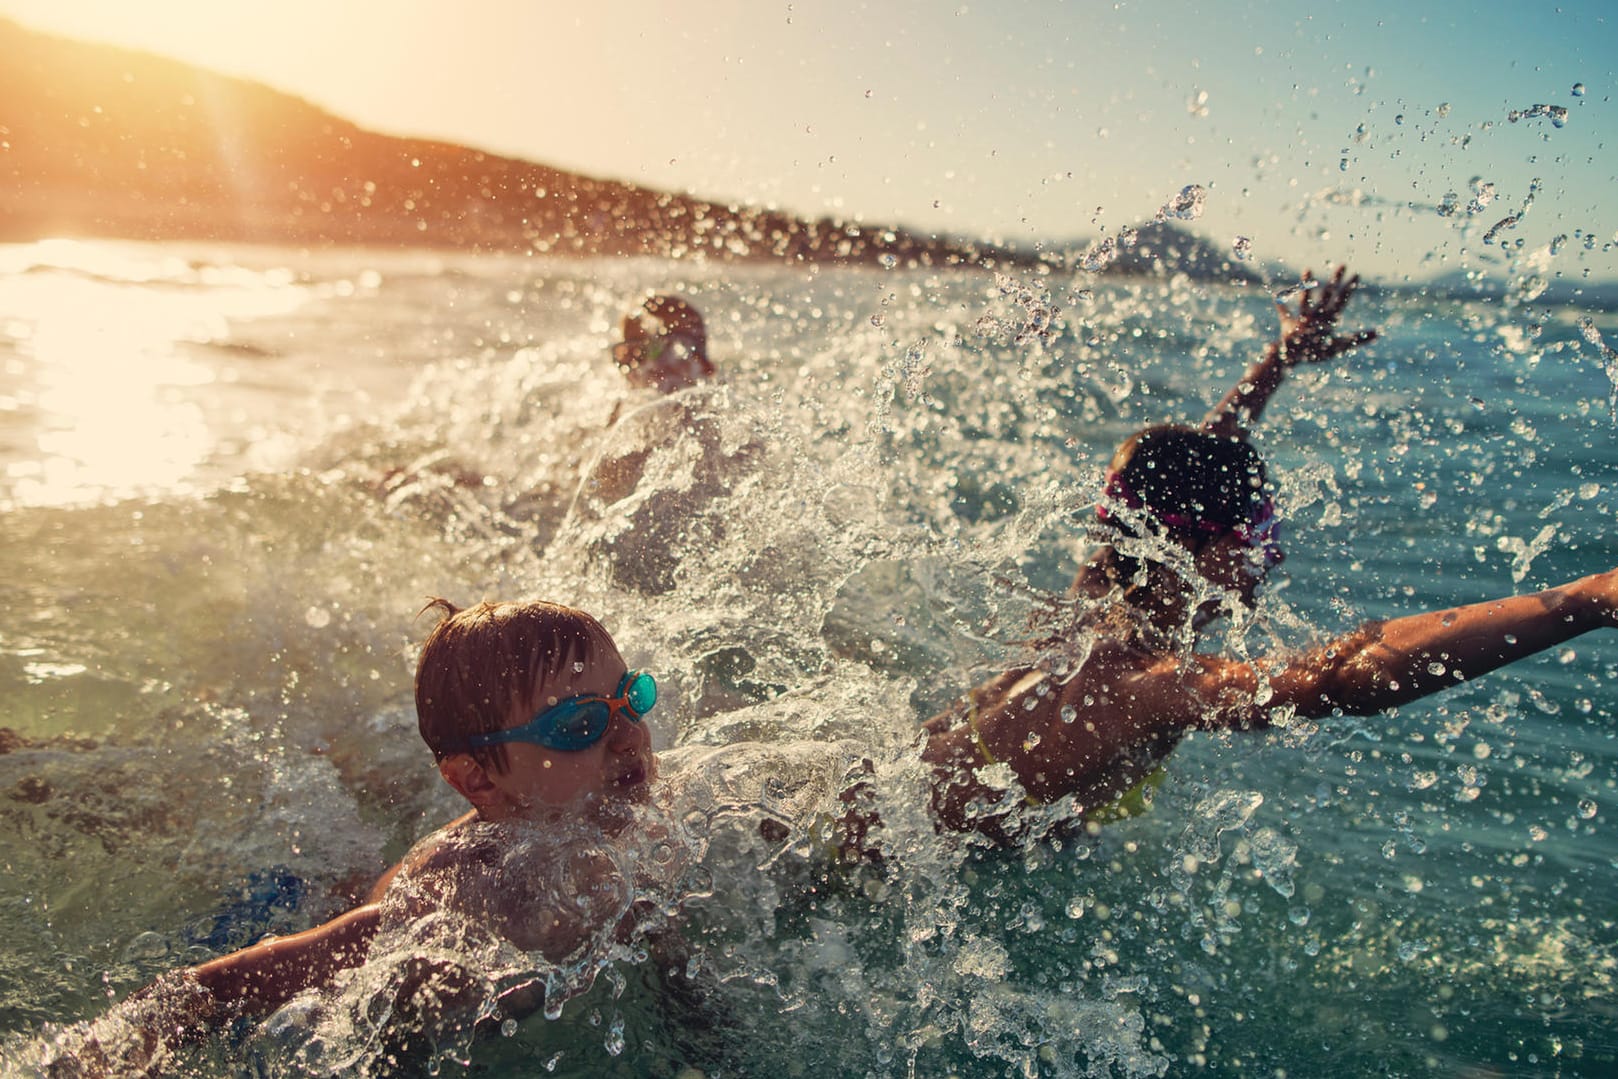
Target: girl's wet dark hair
{"type": "Point", "coordinates": [1188, 479]}
{"type": "Point", "coordinates": [1183, 483]}
{"type": "Point", "coordinates": [481, 663]}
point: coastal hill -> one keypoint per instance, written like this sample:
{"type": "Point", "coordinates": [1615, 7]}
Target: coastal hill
{"type": "Point", "coordinates": [109, 142]}
{"type": "Point", "coordinates": [97, 141]}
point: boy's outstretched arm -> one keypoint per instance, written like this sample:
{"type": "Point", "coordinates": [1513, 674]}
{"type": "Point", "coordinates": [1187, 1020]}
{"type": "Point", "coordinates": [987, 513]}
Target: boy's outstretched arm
{"type": "Point", "coordinates": [261, 977]}
{"type": "Point", "coordinates": [183, 1006]}
{"type": "Point", "coordinates": [1306, 337]}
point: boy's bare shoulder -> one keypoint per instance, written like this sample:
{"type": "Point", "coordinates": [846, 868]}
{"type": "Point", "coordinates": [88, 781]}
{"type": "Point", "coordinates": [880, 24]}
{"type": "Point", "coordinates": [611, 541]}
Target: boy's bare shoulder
{"type": "Point", "coordinates": [545, 889]}
{"type": "Point", "coordinates": [442, 855]}
{"type": "Point", "coordinates": [451, 845]}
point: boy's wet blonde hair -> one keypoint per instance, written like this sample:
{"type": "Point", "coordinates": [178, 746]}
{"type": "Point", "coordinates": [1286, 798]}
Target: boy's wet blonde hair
{"type": "Point", "coordinates": [481, 663]}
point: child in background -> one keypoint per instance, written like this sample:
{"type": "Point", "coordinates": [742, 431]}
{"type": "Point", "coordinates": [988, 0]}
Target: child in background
{"type": "Point", "coordinates": [664, 346]}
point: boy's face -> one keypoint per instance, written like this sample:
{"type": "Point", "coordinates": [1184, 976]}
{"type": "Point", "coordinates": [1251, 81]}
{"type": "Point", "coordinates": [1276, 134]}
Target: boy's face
{"type": "Point", "coordinates": [619, 766]}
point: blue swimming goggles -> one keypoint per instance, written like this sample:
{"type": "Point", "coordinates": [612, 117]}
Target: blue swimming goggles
{"type": "Point", "coordinates": [579, 722]}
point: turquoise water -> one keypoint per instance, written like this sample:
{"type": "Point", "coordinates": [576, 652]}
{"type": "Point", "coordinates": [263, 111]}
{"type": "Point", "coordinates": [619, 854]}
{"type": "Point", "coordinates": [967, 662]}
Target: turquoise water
{"type": "Point", "coordinates": [231, 476]}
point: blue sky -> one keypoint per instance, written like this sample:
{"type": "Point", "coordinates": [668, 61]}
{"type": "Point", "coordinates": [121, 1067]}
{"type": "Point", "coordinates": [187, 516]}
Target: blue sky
{"type": "Point", "coordinates": [1319, 131]}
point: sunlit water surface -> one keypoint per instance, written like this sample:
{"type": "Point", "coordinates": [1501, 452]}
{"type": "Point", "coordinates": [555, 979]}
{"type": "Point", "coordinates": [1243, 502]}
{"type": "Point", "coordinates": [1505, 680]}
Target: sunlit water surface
{"type": "Point", "coordinates": [230, 478]}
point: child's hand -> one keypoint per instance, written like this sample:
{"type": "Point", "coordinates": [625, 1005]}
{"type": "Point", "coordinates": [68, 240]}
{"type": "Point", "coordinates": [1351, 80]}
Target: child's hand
{"type": "Point", "coordinates": [1306, 335]}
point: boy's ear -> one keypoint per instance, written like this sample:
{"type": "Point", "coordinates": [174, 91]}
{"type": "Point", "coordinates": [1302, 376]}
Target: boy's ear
{"type": "Point", "coordinates": [471, 779]}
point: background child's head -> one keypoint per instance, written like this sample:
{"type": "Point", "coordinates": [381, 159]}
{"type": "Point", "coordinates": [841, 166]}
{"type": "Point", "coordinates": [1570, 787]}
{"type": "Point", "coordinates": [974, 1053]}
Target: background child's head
{"type": "Point", "coordinates": [664, 345]}
{"type": "Point", "coordinates": [483, 663]}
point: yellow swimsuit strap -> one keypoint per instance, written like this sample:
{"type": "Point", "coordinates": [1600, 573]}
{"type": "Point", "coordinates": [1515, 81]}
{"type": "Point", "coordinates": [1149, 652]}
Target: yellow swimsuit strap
{"type": "Point", "coordinates": [1130, 803]}
{"type": "Point", "coordinates": [983, 749]}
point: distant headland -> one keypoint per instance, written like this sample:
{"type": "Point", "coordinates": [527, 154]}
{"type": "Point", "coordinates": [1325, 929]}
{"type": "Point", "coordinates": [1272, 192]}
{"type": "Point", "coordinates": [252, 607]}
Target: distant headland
{"type": "Point", "coordinates": [97, 141]}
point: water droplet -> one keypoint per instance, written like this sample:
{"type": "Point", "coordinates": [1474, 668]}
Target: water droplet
{"type": "Point", "coordinates": [696, 823]}
{"type": "Point", "coordinates": [148, 945]}
{"type": "Point", "coordinates": [615, 1037]}
{"type": "Point", "coordinates": [1185, 206]}
{"type": "Point", "coordinates": [1587, 808]}
{"type": "Point", "coordinates": [1242, 247]}
{"type": "Point", "coordinates": [1578, 89]}
{"type": "Point", "coordinates": [697, 883]}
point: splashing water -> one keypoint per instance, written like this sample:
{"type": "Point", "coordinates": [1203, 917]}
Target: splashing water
{"type": "Point", "coordinates": [812, 557]}
{"type": "Point", "coordinates": [1609, 360]}
{"type": "Point", "coordinates": [1556, 114]}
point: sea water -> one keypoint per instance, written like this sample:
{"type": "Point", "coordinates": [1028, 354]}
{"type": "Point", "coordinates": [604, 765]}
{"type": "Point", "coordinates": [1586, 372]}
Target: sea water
{"type": "Point", "coordinates": [232, 476]}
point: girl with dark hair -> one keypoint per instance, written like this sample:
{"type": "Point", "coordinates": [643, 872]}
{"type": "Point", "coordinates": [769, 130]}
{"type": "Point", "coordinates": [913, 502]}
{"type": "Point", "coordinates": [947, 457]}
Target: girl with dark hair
{"type": "Point", "coordinates": [1189, 531]}
{"type": "Point", "coordinates": [1189, 534]}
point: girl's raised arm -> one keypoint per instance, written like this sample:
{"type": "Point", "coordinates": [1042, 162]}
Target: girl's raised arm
{"type": "Point", "coordinates": [1306, 337]}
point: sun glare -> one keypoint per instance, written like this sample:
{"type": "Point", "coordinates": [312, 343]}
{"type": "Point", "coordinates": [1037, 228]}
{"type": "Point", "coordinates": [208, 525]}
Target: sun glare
{"type": "Point", "coordinates": [96, 400]}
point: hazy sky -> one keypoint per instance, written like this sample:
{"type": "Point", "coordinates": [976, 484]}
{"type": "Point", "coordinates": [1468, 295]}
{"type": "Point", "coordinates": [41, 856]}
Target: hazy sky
{"type": "Point", "coordinates": [1320, 131]}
